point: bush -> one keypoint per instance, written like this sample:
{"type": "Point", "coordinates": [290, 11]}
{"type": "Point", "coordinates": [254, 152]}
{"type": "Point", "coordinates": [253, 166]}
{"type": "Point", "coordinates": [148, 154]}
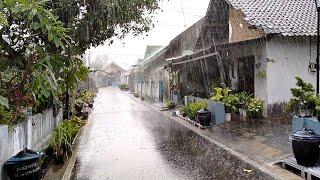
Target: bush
{"type": "Point", "coordinates": [231, 102]}
{"type": "Point", "coordinates": [244, 99]}
{"type": "Point", "coordinates": [193, 108]}
{"type": "Point", "coordinates": [183, 111]}
{"type": "Point", "coordinates": [142, 98]}
{"type": "Point", "coordinates": [255, 108]}
{"type": "Point", "coordinates": [123, 87]}
{"type": "Point", "coordinates": [170, 105]}
{"type": "Point", "coordinates": [86, 97]}
{"type": "Point", "coordinates": [220, 93]}
{"type": "Point", "coordinates": [303, 97]}
{"type": "Point", "coordinates": [64, 134]}
{"type": "Point", "coordinates": [136, 95]}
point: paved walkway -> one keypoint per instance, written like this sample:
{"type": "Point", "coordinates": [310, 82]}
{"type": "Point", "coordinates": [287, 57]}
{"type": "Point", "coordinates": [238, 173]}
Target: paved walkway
{"type": "Point", "coordinates": [128, 140]}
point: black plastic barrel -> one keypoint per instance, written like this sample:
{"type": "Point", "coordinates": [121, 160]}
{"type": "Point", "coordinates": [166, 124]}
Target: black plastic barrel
{"type": "Point", "coordinates": [24, 166]}
{"type": "Point", "coordinates": [204, 117]}
{"type": "Point", "coordinates": [305, 146]}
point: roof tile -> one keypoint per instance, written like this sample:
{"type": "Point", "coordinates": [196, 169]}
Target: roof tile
{"type": "Point", "coordinates": [288, 17]}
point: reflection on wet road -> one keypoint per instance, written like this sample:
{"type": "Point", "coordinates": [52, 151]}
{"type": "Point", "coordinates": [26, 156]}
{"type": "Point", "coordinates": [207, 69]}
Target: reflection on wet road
{"type": "Point", "coordinates": [127, 140]}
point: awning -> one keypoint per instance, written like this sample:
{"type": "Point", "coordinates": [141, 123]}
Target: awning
{"type": "Point", "coordinates": [216, 50]}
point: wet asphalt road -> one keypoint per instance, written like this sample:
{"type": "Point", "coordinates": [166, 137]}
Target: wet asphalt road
{"type": "Point", "coordinates": [127, 140]}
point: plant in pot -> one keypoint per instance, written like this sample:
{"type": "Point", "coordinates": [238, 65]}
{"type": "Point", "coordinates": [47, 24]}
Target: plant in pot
{"type": "Point", "coordinates": [230, 102]}
{"type": "Point", "coordinates": [88, 98]}
{"type": "Point", "coordinates": [183, 111]}
{"type": "Point", "coordinates": [79, 105]}
{"type": "Point", "coordinates": [220, 93]}
{"type": "Point", "coordinates": [255, 107]}
{"type": "Point", "coordinates": [303, 101]}
{"type": "Point", "coordinates": [123, 87]}
{"type": "Point", "coordinates": [63, 136]}
{"type": "Point", "coordinates": [193, 108]}
{"type": "Point", "coordinates": [170, 105]}
{"type": "Point", "coordinates": [244, 100]}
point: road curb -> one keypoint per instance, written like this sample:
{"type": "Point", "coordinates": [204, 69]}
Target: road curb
{"type": "Point", "coordinates": [275, 172]}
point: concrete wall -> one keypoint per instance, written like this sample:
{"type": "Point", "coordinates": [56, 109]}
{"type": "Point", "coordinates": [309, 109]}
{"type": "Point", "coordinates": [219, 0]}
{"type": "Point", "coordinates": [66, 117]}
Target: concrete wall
{"type": "Point", "coordinates": [32, 133]}
{"type": "Point", "coordinates": [288, 57]}
{"type": "Point", "coordinates": [260, 82]}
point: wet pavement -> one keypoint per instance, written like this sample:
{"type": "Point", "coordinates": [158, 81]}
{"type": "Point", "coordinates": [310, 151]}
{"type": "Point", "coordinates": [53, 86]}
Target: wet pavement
{"type": "Point", "coordinates": [128, 140]}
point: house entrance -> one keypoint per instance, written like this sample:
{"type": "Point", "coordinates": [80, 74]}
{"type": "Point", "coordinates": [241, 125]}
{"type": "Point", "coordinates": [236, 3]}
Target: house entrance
{"type": "Point", "coordinates": [246, 74]}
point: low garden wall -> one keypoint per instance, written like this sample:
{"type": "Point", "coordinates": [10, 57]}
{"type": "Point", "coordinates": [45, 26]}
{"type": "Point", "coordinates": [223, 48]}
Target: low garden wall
{"type": "Point", "coordinates": [32, 133]}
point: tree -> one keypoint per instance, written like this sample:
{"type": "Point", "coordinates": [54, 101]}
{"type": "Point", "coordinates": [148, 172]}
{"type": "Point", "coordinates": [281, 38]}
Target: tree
{"type": "Point", "coordinates": [41, 41]}
{"type": "Point", "coordinates": [94, 21]}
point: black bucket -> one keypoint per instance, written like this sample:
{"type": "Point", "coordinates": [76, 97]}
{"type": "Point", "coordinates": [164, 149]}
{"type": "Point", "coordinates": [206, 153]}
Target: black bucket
{"type": "Point", "coordinates": [305, 146]}
{"type": "Point", "coordinates": [204, 117]}
{"type": "Point", "coordinates": [25, 165]}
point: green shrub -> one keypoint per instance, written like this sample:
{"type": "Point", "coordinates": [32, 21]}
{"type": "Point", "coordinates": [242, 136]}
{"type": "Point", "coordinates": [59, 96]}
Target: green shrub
{"type": "Point", "coordinates": [303, 95]}
{"type": "Point", "coordinates": [85, 97]}
{"type": "Point", "coordinates": [123, 87]}
{"type": "Point", "coordinates": [183, 111]}
{"type": "Point", "coordinates": [255, 108]}
{"type": "Point", "coordinates": [193, 108]}
{"type": "Point", "coordinates": [220, 93]}
{"type": "Point", "coordinates": [231, 102]}
{"type": "Point", "coordinates": [64, 134]}
{"type": "Point", "coordinates": [5, 115]}
{"type": "Point", "coordinates": [170, 105]}
{"type": "Point", "coordinates": [244, 99]}
{"type": "Point", "coordinates": [136, 95]}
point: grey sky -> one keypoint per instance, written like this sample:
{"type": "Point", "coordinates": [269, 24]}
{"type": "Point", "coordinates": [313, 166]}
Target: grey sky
{"type": "Point", "coordinates": [168, 24]}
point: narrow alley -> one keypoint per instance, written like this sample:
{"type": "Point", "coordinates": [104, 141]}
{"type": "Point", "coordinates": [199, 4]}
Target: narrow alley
{"type": "Point", "coordinates": [127, 140]}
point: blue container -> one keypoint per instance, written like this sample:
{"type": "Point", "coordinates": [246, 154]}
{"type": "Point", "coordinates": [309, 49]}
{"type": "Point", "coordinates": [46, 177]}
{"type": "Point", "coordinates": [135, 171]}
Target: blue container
{"type": "Point", "coordinates": [310, 123]}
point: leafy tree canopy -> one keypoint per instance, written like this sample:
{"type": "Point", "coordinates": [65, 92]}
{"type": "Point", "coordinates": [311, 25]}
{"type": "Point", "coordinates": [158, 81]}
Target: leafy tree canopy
{"type": "Point", "coordinates": [41, 41]}
{"type": "Point", "coordinates": [93, 21]}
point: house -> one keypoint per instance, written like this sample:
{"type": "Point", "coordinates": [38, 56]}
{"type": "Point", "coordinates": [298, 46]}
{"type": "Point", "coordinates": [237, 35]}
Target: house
{"type": "Point", "coordinates": [254, 46]}
{"type": "Point", "coordinates": [128, 77]}
{"type": "Point", "coordinates": [154, 79]}
{"type": "Point", "coordinates": [112, 74]}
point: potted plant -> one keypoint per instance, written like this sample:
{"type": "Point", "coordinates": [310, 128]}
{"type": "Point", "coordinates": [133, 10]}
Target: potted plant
{"type": "Point", "coordinates": [220, 93]}
{"type": "Point", "coordinates": [193, 108]}
{"type": "Point", "coordinates": [79, 105]}
{"type": "Point", "coordinates": [63, 136]}
{"type": "Point", "coordinates": [183, 111]}
{"type": "Point", "coordinates": [123, 87]}
{"type": "Point", "coordinates": [170, 105]}
{"type": "Point", "coordinates": [230, 103]}
{"type": "Point", "coordinates": [244, 100]}
{"type": "Point", "coordinates": [255, 107]}
{"type": "Point", "coordinates": [303, 101]}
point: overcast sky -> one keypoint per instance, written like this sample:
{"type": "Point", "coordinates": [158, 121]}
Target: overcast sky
{"type": "Point", "coordinates": [177, 15]}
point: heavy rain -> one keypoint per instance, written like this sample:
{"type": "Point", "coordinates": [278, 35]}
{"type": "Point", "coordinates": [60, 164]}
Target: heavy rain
{"type": "Point", "coordinates": [152, 89]}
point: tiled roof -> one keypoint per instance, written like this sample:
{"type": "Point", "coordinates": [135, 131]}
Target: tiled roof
{"type": "Point", "coordinates": [288, 17]}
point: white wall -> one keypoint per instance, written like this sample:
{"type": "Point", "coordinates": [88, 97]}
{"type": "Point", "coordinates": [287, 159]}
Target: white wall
{"type": "Point", "coordinates": [260, 87]}
{"type": "Point", "coordinates": [32, 133]}
{"type": "Point", "coordinates": [288, 57]}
